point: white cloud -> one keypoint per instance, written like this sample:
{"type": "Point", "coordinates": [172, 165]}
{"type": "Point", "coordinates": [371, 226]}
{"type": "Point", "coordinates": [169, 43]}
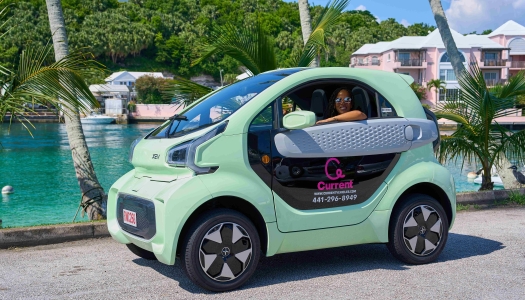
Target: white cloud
{"type": "Point", "coordinates": [477, 15]}
{"type": "Point", "coordinates": [362, 7]}
{"type": "Point", "coordinates": [405, 23]}
{"type": "Point", "coordinates": [377, 19]}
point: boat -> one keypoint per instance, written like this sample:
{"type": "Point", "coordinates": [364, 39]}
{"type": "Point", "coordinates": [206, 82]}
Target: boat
{"type": "Point", "coordinates": [495, 178]}
{"type": "Point", "coordinates": [97, 119]}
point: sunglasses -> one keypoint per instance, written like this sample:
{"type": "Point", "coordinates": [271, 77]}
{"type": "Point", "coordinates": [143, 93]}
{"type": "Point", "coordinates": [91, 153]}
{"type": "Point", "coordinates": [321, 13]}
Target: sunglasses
{"type": "Point", "coordinates": [346, 100]}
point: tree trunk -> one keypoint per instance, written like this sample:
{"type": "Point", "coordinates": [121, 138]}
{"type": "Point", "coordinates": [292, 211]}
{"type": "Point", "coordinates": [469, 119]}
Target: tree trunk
{"type": "Point", "coordinates": [446, 36]}
{"type": "Point", "coordinates": [508, 179]}
{"type": "Point", "coordinates": [306, 27]}
{"type": "Point", "coordinates": [93, 196]}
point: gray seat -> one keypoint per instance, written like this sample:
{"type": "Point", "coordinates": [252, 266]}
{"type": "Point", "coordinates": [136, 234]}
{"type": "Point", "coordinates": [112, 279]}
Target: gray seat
{"type": "Point", "coordinates": [361, 101]}
{"type": "Point", "coordinates": [319, 104]}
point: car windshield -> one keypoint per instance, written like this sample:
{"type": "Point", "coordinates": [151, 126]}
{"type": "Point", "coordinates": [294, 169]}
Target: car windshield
{"type": "Point", "coordinates": [220, 105]}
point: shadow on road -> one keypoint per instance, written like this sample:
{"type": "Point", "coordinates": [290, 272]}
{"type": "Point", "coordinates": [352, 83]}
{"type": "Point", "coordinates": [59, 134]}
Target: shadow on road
{"type": "Point", "coordinates": [318, 263]}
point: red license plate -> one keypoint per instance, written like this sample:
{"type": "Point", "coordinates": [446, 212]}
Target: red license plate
{"type": "Point", "coordinates": [130, 218]}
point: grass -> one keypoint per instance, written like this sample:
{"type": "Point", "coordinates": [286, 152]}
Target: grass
{"type": "Point", "coordinates": [460, 207]}
{"type": "Point", "coordinates": [517, 198]}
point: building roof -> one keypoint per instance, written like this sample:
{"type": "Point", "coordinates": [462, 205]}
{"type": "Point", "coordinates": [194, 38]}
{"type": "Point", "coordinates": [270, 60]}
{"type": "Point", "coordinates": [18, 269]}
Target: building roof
{"type": "Point", "coordinates": [135, 75]}
{"type": "Point", "coordinates": [432, 40]}
{"type": "Point", "coordinates": [509, 28]}
{"type": "Point", "coordinates": [108, 88]}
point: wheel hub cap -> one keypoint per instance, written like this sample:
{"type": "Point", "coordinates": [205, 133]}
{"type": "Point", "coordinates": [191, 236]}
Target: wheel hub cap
{"type": "Point", "coordinates": [422, 230]}
{"type": "Point", "coordinates": [225, 251]}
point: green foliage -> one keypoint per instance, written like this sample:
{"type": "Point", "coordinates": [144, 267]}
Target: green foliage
{"type": "Point", "coordinates": [149, 90]}
{"type": "Point", "coordinates": [419, 90]}
{"type": "Point", "coordinates": [478, 136]}
{"type": "Point", "coordinates": [517, 198]}
{"type": "Point", "coordinates": [164, 35]}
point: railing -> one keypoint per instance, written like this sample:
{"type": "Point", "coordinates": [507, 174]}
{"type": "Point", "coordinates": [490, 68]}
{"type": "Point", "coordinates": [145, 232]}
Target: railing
{"type": "Point", "coordinates": [376, 63]}
{"type": "Point", "coordinates": [410, 62]}
{"type": "Point", "coordinates": [517, 64]}
{"type": "Point", "coordinates": [493, 82]}
{"type": "Point", "coordinates": [495, 62]}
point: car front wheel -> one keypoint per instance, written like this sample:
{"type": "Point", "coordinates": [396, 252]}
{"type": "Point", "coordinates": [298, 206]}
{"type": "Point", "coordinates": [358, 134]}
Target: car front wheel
{"type": "Point", "coordinates": [221, 251]}
{"type": "Point", "coordinates": [418, 230]}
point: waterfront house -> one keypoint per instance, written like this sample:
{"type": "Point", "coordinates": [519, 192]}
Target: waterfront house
{"type": "Point", "coordinates": [129, 78]}
{"type": "Point", "coordinates": [499, 54]}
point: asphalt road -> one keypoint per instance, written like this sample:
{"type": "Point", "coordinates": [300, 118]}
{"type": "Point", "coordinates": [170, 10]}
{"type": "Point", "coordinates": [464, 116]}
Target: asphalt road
{"type": "Point", "coordinates": [484, 259]}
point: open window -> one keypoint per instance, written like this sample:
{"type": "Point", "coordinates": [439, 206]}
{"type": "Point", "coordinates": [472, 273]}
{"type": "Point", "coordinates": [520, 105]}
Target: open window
{"type": "Point", "coordinates": [315, 97]}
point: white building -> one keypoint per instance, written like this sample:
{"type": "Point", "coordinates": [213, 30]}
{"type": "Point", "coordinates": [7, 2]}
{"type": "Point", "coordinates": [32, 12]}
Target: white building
{"type": "Point", "coordinates": [129, 78]}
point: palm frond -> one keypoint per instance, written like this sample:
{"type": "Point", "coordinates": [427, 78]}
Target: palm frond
{"type": "Point", "coordinates": [328, 17]}
{"type": "Point", "coordinates": [250, 46]}
{"type": "Point", "coordinates": [185, 91]}
{"type": "Point", "coordinates": [60, 83]}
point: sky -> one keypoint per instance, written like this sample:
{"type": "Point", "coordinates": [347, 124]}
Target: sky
{"type": "Point", "coordinates": [464, 16]}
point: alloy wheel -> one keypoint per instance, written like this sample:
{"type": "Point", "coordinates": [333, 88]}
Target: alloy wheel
{"type": "Point", "coordinates": [225, 251]}
{"type": "Point", "coordinates": [422, 230]}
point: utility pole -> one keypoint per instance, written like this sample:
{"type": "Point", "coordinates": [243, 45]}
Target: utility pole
{"type": "Point", "coordinates": [221, 75]}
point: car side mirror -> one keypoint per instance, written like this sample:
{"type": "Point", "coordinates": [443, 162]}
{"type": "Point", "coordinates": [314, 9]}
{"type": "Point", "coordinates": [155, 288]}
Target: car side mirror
{"type": "Point", "coordinates": [299, 119]}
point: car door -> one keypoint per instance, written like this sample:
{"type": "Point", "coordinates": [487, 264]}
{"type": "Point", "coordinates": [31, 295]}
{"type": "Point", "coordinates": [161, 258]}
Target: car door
{"type": "Point", "coordinates": [333, 175]}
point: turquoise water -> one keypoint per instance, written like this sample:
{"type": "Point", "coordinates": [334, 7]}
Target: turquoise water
{"type": "Point", "coordinates": [41, 170]}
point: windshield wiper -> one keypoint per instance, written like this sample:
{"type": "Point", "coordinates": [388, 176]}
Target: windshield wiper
{"type": "Point", "coordinates": [179, 117]}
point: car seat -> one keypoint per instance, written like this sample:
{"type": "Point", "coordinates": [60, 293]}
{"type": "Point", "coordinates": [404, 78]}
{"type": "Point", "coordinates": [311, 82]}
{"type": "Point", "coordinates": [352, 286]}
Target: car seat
{"type": "Point", "coordinates": [361, 101]}
{"type": "Point", "coordinates": [319, 104]}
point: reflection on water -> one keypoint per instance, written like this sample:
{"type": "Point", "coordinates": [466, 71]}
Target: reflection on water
{"type": "Point", "coordinates": [40, 168]}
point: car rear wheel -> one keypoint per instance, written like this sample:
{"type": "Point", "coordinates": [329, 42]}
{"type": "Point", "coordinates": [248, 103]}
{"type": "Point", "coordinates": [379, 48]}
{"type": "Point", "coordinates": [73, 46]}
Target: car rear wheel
{"type": "Point", "coordinates": [418, 230]}
{"type": "Point", "coordinates": [222, 250]}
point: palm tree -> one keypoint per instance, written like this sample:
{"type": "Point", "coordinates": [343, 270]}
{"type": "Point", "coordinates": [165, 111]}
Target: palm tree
{"type": "Point", "coordinates": [455, 59]}
{"type": "Point", "coordinates": [306, 29]}
{"type": "Point", "coordinates": [93, 195]}
{"type": "Point", "coordinates": [254, 49]}
{"type": "Point", "coordinates": [437, 84]}
{"type": "Point", "coordinates": [479, 136]}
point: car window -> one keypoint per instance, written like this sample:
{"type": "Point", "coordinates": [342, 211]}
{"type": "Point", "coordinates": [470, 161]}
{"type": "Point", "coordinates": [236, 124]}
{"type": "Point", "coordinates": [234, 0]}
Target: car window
{"type": "Point", "coordinates": [264, 120]}
{"type": "Point", "coordinates": [386, 110]}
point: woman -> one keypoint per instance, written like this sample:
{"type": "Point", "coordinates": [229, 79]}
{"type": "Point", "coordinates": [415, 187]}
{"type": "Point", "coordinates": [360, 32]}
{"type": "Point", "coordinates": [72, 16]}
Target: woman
{"type": "Point", "coordinates": [340, 107]}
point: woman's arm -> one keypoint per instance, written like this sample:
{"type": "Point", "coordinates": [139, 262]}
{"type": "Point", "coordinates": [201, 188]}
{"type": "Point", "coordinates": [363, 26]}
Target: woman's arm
{"type": "Point", "coordinates": [354, 115]}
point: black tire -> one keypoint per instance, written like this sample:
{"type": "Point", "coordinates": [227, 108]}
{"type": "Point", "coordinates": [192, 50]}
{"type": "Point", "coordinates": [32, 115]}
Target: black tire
{"type": "Point", "coordinates": [141, 252]}
{"type": "Point", "coordinates": [413, 237]}
{"type": "Point", "coordinates": [223, 264]}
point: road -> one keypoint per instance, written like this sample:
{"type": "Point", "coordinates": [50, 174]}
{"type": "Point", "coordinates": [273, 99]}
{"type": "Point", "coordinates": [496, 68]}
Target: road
{"type": "Point", "coordinates": [484, 258]}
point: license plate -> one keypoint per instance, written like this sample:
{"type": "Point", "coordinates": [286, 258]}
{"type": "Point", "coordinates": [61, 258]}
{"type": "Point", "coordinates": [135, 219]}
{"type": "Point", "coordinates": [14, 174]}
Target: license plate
{"type": "Point", "coordinates": [130, 218]}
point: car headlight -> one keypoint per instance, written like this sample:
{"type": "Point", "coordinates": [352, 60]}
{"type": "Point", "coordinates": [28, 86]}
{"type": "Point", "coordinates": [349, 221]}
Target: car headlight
{"type": "Point", "coordinates": [132, 148]}
{"type": "Point", "coordinates": [183, 155]}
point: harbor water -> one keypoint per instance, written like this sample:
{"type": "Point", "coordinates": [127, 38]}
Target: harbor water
{"type": "Point", "coordinates": [40, 169]}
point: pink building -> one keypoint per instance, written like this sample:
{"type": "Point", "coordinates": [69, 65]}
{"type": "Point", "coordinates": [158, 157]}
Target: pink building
{"type": "Point", "coordinates": [500, 55]}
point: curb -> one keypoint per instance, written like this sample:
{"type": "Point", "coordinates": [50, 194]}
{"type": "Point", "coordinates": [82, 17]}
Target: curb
{"type": "Point", "coordinates": [51, 234]}
{"type": "Point", "coordinates": [486, 197]}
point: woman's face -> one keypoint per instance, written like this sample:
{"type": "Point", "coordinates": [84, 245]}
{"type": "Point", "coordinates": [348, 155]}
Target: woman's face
{"type": "Point", "coordinates": [343, 106]}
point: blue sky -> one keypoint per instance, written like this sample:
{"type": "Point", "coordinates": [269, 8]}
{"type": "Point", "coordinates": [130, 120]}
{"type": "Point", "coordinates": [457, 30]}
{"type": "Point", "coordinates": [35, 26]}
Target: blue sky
{"type": "Point", "coordinates": [464, 16]}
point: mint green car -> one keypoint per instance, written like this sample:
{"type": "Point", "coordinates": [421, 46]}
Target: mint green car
{"type": "Point", "coordinates": [245, 171]}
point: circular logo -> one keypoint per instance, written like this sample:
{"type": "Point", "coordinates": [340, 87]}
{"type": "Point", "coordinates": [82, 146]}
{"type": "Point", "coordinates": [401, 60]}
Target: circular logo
{"type": "Point", "coordinates": [422, 230]}
{"type": "Point", "coordinates": [265, 159]}
{"type": "Point", "coordinates": [225, 251]}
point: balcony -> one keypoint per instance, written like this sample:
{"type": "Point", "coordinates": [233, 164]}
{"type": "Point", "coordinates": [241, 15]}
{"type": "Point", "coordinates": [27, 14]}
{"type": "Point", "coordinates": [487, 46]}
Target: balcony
{"type": "Point", "coordinates": [517, 64]}
{"type": "Point", "coordinates": [410, 63]}
{"type": "Point", "coordinates": [493, 82]}
{"type": "Point", "coordinates": [493, 63]}
{"type": "Point", "coordinates": [365, 64]}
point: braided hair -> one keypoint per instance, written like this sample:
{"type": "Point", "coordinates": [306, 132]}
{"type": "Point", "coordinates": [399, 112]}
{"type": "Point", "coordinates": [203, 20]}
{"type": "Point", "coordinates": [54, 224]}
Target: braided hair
{"type": "Point", "coordinates": [332, 111]}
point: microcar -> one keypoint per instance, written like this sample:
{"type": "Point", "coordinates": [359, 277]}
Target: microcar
{"type": "Point", "coordinates": [245, 171]}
